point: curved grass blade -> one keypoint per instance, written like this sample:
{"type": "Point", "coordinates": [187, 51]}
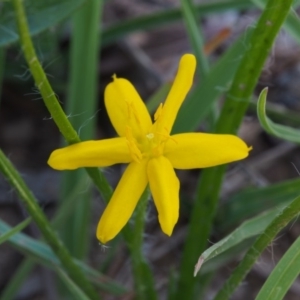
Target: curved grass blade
{"type": "Point", "coordinates": [283, 275]}
{"type": "Point", "coordinates": [247, 230]}
{"type": "Point", "coordinates": [278, 113]}
{"type": "Point", "coordinates": [280, 131]}
{"type": "Point", "coordinates": [288, 214]}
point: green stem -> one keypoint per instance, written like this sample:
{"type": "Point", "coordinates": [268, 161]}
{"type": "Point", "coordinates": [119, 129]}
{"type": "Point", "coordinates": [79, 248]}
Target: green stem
{"type": "Point", "coordinates": [143, 278]}
{"type": "Point", "coordinates": [283, 218]}
{"type": "Point", "coordinates": [40, 77]}
{"type": "Point", "coordinates": [236, 103]}
{"type": "Point", "coordinates": [44, 226]}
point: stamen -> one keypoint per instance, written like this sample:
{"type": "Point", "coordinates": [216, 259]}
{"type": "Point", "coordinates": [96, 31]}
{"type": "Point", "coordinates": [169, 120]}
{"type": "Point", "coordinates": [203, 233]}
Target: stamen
{"type": "Point", "coordinates": [166, 137]}
{"type": "Point", "coordinates": [158, 112]}
{"type": "Point", "coordinates": [134, 150]}
{"type": "Point", "coordinates": [131, 110]}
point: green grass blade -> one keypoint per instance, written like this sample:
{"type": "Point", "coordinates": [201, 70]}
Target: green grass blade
{"type": "Point", "coordinates": [234, 108]}
{"type": "Point", "coordinates": [84, 64]}
{"type": "Point", "coordinates": [82, 103]}
{"type": "Point", "coordinates": [117, 31]}
{"type": "Point", "coordinates": [12, 287]}
{"type": "Point", "coordinates": [287, 215]}
{"type": "Point", "coordinates": [249, 229]}
{"type": "Point", "coordinates": [283, 275]}
{"type": "Point", "coordinates": [280, 131]}
{"type": "Point", "coordinates": [4, 237]}
{"type": "Point", "coordinates": [195, 36]}
{"type": "Point", "coordinates": [250, 202]}
{"type": "Point", "coordinates": [41, 15]}
{"type": "Point", "coordinates": [42, 253]}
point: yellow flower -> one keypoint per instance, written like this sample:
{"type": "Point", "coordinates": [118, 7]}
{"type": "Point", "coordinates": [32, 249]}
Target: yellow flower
{"type": "Point", "coordinates": [149, 149]}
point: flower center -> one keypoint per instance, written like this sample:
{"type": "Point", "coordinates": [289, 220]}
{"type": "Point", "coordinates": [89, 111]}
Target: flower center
{"type": "Point", "coordinates": [149, 146]}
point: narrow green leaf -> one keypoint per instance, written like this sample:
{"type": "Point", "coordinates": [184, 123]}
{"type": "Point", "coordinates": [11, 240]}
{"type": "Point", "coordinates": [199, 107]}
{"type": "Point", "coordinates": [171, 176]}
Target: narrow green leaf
{"type": "Point", "coordinates": [247, 230]}
{"type": "Point", "coordinates": [280, 131]}
{"type": "Point", "coordinates": [42, 253]}
{"type": "Point", "coordinates": [82, 102]}
{"type": "Point", "coordinates": [41, 15]}
{"type": "Point", "coordinates": [195, 36]}
{"type": "Point", "coordinates": [283, 275]}
{"type": "Point", "coordinates": [5, 236]}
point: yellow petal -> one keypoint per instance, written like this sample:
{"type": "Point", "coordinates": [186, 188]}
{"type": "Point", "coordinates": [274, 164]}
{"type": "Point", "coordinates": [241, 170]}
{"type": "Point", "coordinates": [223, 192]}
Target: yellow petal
{"type": "Point", "coordinates": [202, 150]}
{"type": "Point", "coordinates": [126, 109]}
{"type": "Point", "coordinates": [164, 186]}
{"type": "Point", "coordinates": [91, 154]}
{"type": "Point", "coordinates": [181, 85]}
{"type": "Point", "coordinates": [123, 201]}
